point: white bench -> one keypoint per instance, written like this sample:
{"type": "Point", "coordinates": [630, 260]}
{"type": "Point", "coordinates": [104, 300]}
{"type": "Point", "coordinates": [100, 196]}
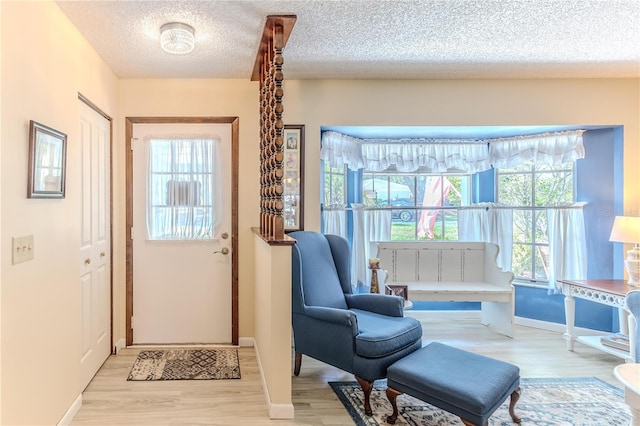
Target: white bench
{"type": "Point", "coordinates": [452, 271]}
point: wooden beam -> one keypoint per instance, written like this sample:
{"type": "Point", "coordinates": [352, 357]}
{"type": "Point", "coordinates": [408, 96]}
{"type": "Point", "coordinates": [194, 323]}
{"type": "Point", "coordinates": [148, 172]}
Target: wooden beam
{"type": "Point", "coordinates": [286, 22]}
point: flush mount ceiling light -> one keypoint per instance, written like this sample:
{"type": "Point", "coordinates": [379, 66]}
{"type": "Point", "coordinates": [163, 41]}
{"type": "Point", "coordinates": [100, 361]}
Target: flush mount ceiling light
{"type": "Point", "coordinates": [177, 38]}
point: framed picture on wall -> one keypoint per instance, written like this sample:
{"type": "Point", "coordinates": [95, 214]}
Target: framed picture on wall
{"type": "Point", "coordinates": [47, 162]}
{"type": "Point", "coordinates": [293, 177]}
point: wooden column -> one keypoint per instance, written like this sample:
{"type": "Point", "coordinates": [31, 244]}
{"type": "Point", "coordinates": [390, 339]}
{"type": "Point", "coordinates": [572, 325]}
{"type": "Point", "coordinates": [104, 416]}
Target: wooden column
{"type": "Point", "coordinates": [268, 70]}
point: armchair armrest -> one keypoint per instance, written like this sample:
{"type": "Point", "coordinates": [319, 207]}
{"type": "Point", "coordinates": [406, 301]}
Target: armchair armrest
{"type": "Point", "coordinates": [382, 304]}
{"type": "Point", "coordinates": [334, 316]}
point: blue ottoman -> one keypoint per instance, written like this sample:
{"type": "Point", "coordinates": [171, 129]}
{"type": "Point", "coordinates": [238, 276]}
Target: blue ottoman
{"type": "Point", "coordinates": [463, 383]}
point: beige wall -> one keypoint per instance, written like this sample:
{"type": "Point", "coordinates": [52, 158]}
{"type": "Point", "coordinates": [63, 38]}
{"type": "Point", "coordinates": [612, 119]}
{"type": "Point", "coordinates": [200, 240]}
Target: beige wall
{"type": "Point", "coordinates": [197, 98]}
{"type": "Point", "coordinates": [45, 63]}
{"type": "Point", "coordinates": [464, 102]}
{"type": "Point", "coordinates": [273, 325]}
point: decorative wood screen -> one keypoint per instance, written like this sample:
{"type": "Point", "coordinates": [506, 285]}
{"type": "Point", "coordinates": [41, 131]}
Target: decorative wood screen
{"type": "Point", "coordinates": [268, 70]}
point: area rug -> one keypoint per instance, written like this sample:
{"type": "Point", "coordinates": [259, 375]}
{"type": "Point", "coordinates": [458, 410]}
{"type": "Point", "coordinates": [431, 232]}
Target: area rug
{"type": "Point", "coordinates": [583, 401]}
{"type": "Point", "coordinates": [186, 364]}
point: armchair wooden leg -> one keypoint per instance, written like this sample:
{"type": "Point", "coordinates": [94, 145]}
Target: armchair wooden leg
{"type": "Point", "coordinates": [367, 387]}
{"type": "Point", "coordinates": [297, 363]}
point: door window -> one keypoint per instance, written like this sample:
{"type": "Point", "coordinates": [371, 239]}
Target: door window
{"type": "Point", "coordinates": [181, 194]}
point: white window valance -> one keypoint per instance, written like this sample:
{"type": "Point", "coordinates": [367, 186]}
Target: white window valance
{"type": "Point", "coordinates": [406, 155]}
{"type": "Point", "coordinates": [551, 149]}
{"type": "Point", "coordinates": [442, 155]}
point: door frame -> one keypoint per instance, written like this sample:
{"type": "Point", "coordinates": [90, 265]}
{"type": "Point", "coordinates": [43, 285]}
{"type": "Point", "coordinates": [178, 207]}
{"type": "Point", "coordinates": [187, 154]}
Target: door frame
{"type": "Point", "coordinates": [129, 122]}
{"type": "Point", "coordinates": [106, 116]}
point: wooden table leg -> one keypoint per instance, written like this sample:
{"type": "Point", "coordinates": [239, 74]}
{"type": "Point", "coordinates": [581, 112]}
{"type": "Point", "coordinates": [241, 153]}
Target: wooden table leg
{"type": "Point", "coordinates": [569, 313]}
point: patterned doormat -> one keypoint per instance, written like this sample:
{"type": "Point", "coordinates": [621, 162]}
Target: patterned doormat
{"type": "Point", "coordinates": [584, 401]}
{"type": "Point", "coordinates": [186, 364]}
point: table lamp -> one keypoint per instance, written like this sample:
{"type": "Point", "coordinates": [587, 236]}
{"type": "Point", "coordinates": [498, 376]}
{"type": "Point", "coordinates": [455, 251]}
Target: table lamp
{"type": "Point", "coordinates": [626, 229]}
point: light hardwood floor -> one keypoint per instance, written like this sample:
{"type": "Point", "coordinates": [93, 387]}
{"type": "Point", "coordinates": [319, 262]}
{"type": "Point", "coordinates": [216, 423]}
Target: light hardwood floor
{"type": "Point", "coordinates": [111, 400]}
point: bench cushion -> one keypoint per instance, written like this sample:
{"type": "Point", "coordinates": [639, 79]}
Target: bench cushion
{"type": "Point", "coordinates": [381, 335]}
{"type": "Point", "coordinates": [468, 385]}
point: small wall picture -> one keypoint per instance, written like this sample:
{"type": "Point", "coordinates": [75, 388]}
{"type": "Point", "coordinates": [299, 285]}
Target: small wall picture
{"type": "Point", "coordinates": [47, 162]}
{"type": "Point", "coordinates": [292, 140]}
{"type": "Point", "coordinates": [291, 160]}
{"type": "Point", "coordinates": [293, 180]}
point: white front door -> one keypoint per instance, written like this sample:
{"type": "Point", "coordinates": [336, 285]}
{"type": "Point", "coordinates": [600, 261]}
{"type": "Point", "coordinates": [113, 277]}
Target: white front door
{"type": "Point", "coordinates": [95, 246]}
{"type": "Point", "coordinates": [181, 282]}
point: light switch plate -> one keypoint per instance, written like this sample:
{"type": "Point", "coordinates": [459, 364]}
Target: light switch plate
{"type": "Point", "coordinates": [22, 249]}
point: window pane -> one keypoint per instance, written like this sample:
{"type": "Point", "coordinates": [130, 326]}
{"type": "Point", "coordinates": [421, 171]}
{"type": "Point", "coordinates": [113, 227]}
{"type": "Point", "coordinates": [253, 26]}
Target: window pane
{"type": "Point", "coordinates": [542, 262]}
{"type": "Point", "coordinates": [430, 227]}
{"type": "Point", "coordinates": [401, 231]}
{"type": "Point", "coordinates": [433, 191]}
{"type": "Point", "coordinates": [522, 226]}
{"type": "Point", "coordinates": [515, 189]}
{"type": "Point", "coordinates": [553, 188]}
{"type": "Point", "coordinates": [521, 260]}
{"type": "Point", "coordinates": [542, 235]}
{"type": "Point", "coordinates": [453, 196]}
{"type": "Point", "coordinates": [334, 184]}
{"type": "Point", "coordinates": [450, 224]}
{"type": "Point", "coordinates": [403, 187]}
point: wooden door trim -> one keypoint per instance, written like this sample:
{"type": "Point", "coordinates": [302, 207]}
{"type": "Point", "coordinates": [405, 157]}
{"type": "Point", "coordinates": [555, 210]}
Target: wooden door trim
{"type": "Point", "coordinates": [94, 107]}
{"type": "Point", "coordinates": [129, 122]}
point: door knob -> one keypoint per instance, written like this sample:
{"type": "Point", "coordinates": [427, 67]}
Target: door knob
{"type": "Point", "coordinates": [87, 261]}
{"type": "Point", "coordinates": [225, 235]}
{"type": "Point", "coordinates": [224, 250]}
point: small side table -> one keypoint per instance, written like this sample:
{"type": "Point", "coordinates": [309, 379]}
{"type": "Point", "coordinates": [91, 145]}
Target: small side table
{"type": "Point", "coordinates": [629, 375]}
{"type": "Point", "coordinates": [605, 292]}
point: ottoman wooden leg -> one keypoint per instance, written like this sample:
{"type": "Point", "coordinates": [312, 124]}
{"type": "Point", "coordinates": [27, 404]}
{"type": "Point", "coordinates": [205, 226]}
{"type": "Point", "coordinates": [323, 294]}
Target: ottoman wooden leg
{"type": "Point", "coordinates": [468, 423]}
{"type": "Point", "coordinates": [515, 396]}
{"type": "Point", "coordinates": [392, 395]}
{"type": "Point", "coordinates": [367, 387]}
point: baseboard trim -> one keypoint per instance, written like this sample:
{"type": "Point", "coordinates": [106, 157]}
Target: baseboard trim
{"type": "Point", "coordinates": [425, 315]}
{"type": "Point", "coordinates": [276, 411]}
{"type": "Point", "coordinates": [246, 342]}
{"type": "Point", "coordinates": [525, 322]}
{"type": "Point", "coordinates": [281, 411]}
{"type": "Point", "coordinates": [554, 326]}
{"type": "Point", "coordinates": [120, 344]}
{"type": "Point", "coordinates": [71, 412]}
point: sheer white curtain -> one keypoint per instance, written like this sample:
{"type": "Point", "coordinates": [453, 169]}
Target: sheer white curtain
{"type": "Point", "coordinates": [567, 245]}
{"type": "Point", "coordinates": [184, 196]}
{"type": "Point", "coordinates": [553, 149]}
{"type": "Point", "coordinates": [490, 223]}
{"type": "Point", "coordinates": [368, 225]}
{"type": "Point", "coordinates": [335, 221]}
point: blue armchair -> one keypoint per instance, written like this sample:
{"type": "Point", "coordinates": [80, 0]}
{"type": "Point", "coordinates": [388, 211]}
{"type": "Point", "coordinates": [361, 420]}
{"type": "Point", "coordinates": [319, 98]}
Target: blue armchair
{"type": "Point", "coordinates": [359, 333]}
{"type": "Point", "coordinates": [632, 301]}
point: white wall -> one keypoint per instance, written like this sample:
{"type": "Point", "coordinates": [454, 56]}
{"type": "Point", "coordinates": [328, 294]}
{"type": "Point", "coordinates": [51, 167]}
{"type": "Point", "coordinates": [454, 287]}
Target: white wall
{"type": "Point", "coordinates": [45, 63]}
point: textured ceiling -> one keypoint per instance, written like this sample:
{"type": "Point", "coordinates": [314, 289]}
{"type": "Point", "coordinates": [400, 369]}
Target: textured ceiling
{"type": "Point", "coordinates": [355, 39]}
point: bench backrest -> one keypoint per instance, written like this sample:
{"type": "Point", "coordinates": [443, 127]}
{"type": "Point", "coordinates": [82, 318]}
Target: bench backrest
{"type": "Point", "coordinates": [437, 261]}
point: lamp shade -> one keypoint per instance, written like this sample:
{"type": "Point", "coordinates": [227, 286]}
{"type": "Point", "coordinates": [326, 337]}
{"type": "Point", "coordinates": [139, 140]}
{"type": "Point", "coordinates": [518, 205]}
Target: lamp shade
{"type": "Point", "coordinates": [177, 38]}
{"type": "Point", "coordinates": [626, 229]}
